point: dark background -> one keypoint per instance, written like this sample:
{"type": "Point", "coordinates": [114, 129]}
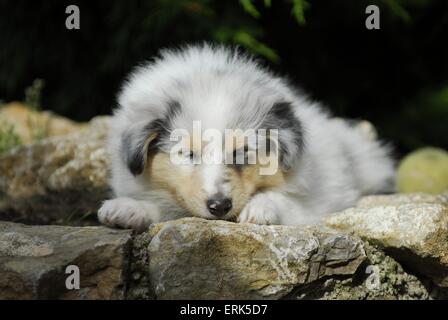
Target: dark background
{"type": "Point", "coordinates": [396, 77]}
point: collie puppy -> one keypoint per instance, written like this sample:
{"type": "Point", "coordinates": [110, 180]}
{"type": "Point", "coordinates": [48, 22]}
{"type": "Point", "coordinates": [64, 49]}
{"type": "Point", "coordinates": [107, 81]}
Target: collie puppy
{"type": "Point", "coordinates": [160, 141]}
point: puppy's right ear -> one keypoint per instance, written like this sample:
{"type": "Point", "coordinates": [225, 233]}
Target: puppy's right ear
{"type": "Point", "coordinates": [138, 141]}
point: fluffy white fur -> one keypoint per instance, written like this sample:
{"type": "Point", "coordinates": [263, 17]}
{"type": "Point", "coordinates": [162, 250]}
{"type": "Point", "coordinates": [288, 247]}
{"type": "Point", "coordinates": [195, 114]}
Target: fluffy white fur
{"type": "Point", "coordinates": [336, 165]}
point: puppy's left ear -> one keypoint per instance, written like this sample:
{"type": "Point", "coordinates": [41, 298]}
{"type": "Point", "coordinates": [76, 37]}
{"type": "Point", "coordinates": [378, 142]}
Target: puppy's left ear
{"type": "Point", "coordinates": [138, 142]}
{"type": "Point", "coordinates": [289, 142]}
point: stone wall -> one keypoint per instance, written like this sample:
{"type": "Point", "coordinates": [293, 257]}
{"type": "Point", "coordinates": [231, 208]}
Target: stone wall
{"type": "Point", "coordinates": [193, 258]}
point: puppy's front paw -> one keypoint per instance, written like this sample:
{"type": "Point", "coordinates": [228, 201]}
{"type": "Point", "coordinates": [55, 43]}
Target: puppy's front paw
{"type": "Point", "coordinates": [126, 213]}
{"type": "Point", "coordinates": [259, 210]}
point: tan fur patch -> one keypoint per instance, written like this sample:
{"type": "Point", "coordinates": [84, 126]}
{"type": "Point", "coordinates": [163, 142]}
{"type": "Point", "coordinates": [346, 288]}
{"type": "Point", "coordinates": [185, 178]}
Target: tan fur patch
{"type": "Point", "coordinates": [181, 181]}
{"type": "Point", "coordinates": [185, 182]}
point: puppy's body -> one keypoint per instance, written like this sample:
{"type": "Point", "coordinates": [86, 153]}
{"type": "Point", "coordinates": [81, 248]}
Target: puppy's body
{"type": "Point", "coordinates": [325, 165]}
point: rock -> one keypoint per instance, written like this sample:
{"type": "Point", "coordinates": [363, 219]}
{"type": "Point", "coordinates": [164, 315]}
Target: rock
{"type": "Point", "coordinates": [413, 229]}
{"type": "Point", "coordinates": [424, 170]}
{"type": "Point", "coordinates": [193, 258]}
{"type": "Point", "coordinates": [198, 259]}
{"type": "Point", "coordinates": [28, 122]}
{"type": "Point", "coordinates": [382, 278]}
{"type": "Point", "coordinates": [399, 199]}
{"type": "Point", "coordinates": [33, 260]}
{"type": "Point", "coordinates": [139, 279]}
{"type": "Point", "coordinates": [57, 180]}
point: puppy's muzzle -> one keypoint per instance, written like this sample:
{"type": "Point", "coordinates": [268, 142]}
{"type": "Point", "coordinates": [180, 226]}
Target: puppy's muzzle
{"type": "Point", "coordinates": [219, 205]}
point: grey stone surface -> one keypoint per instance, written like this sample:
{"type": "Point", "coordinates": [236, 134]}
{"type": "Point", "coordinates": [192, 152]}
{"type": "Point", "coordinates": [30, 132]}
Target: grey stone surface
{"type": "Point", "coordinates": [381, 278]}
{"type": "Point", "coordinates": [60, 180]}
{"type": "Point", "coordinates": [411, 228]}
{"type": "Point", "coordinates": [33, 261]}
{"type": "Point", "coordinates": [389, 247]}
{"type": "Point", "coordinates": [199, 259]}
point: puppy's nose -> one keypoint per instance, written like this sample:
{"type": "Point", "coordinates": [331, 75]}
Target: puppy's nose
{"type": "Point", "coordinates": [219, 206]}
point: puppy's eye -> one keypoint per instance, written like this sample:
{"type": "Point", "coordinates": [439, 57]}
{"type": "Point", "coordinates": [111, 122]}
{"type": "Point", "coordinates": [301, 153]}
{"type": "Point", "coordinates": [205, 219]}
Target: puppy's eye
{"type": "Point", "coordinates": [187, 154]}
{"type": "Point", "coordinates": [240, 155]}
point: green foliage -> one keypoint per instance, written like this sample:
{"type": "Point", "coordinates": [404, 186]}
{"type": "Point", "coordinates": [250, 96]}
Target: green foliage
{"type": "Point", "coordinates": [38, 126]}
{"type": "Point", "coordinates": [250, 8]}
{"type": "Point", "coordinates": [77, 218]}
{"type": "Point", "coordinates": [250, 38]}
{"type": "Point", "coordinates": [426, 113]}
{"type": "Point", "coordinates": [249, 41]}
{"type": "Point", "coordinates": [8, 137]}
{"type": "Point", "coordinates": [397, 9]}
{"type": "Point", "coordinates": [33, 94]}
{"type": "Point", "coordinates": [298, 10]}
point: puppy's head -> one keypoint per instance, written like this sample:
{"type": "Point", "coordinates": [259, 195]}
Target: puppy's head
{"type": "Point", "coordinates": [210, 127]}
{"type": "Point", "coordinates": [213, 173]}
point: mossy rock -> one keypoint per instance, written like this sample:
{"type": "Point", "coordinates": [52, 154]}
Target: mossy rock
{"type": "Point", "coordinates": [424, 170]}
